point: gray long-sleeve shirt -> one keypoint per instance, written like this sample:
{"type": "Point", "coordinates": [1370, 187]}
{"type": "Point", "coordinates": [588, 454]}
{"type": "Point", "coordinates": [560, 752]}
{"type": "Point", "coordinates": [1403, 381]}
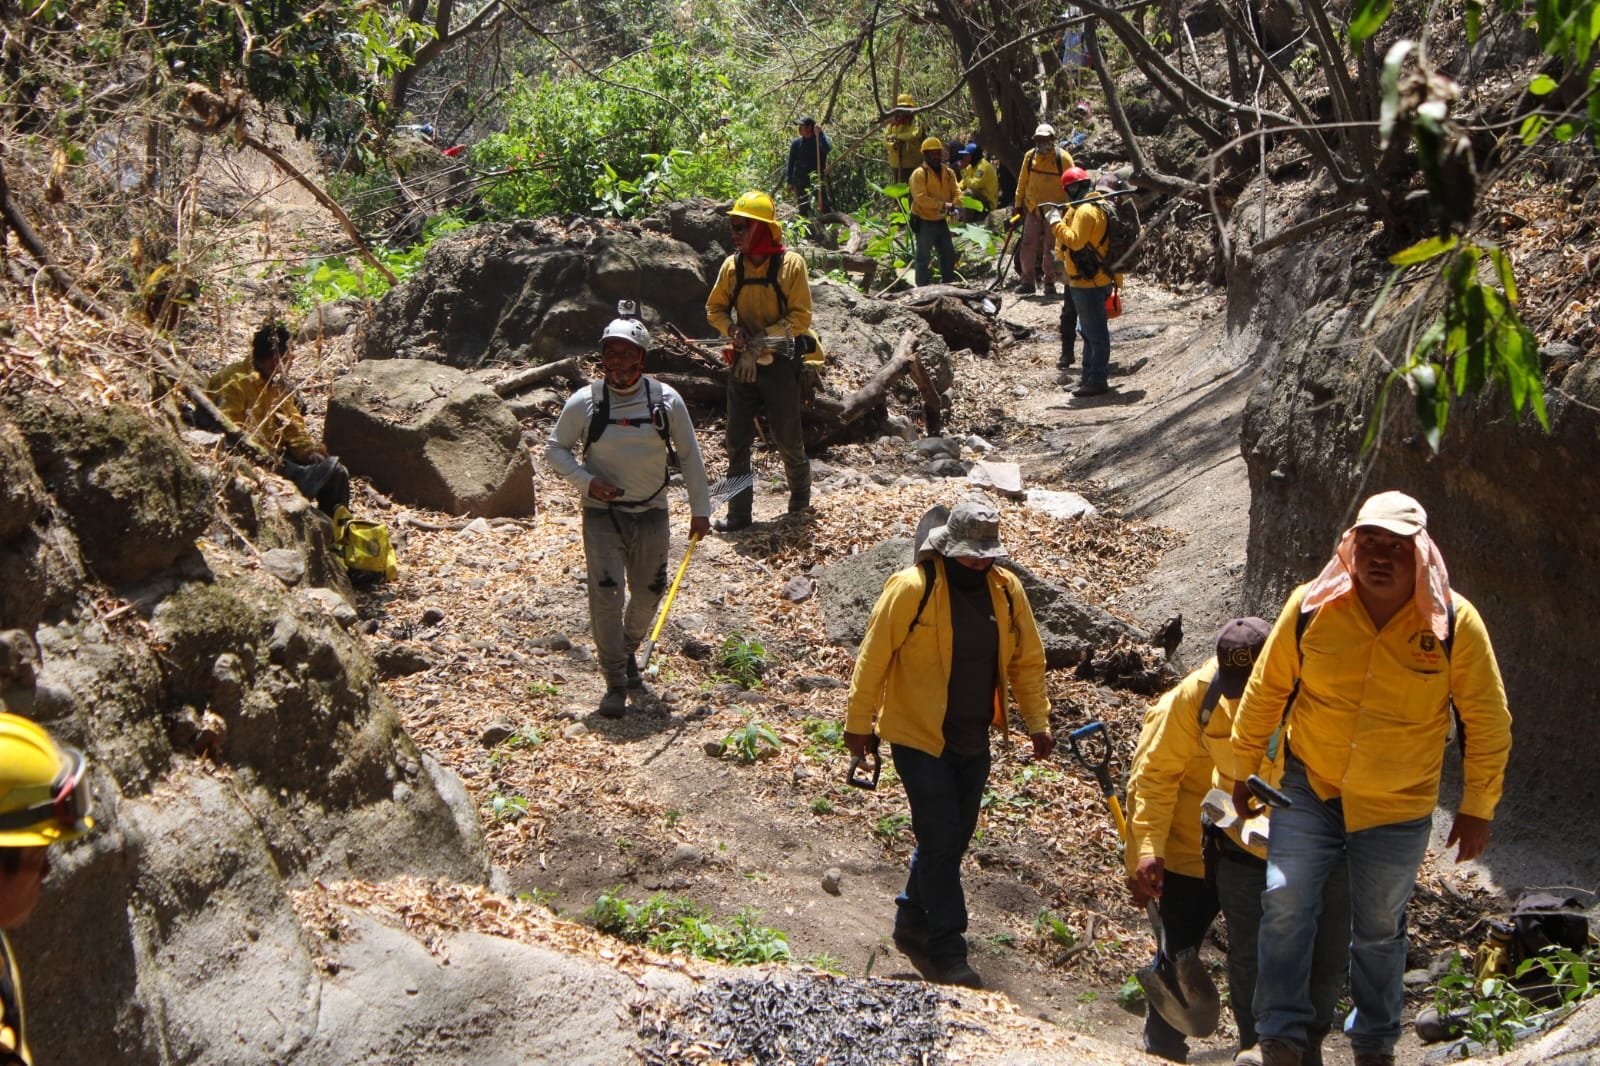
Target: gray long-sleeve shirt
{"type": "Point", "coordinates": [631, 456]}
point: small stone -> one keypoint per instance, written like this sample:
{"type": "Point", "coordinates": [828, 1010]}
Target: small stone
{"type": "Point", "coordinates": [803, 773]}
{"type": "Point", "coordinates": [400, 660]}
{"type": "Point", "coordinates": [19, 657]}
{"type": "Point", "coordinates": [671, 699]}
{"type": "Point", "coordinates": [705, 710]}
{"type": "Point", "coordinates": [814, 682]}
{"type": "Point", "coordinates": [831, 879]}
{"type": "Point", "coordinates": [946, 468]}
{"type": "Point", "coordinates": [797, 589]}
{"type": "Point", "coordinates": [567, 716]}
{"type": "Point", "coordinates": [684, 855]}
{"type": "Point", "coordinates": [1019, 391]}
{"type": "Point", "coordinates": [937, 448]}
{"type": "Point", "coordinates": [285, 564]}
{"type": "Point", "coordinates": [369, 627]}
{"type": "Point", "coordinates": [695, 649]}
{"type": "Point", "coordinates": [432, 616]}
{"type": "Point", "coordinates": [334, 604]}
{"type": "Point", "coordinates": [1417, 979]}
{"type": "Point", "coordinates": [495, 733]}
{"type": "Point", "coordinates": [712, 748]}
{"type": "Point", "coordinates": [576, 729]}
{"type": "Point", "coordinates": [978, 444]}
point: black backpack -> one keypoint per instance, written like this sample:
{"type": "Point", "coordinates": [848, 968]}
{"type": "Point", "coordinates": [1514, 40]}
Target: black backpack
{"type": "Point", "coordinates": [1123, 229]}
{"type": "Point", "coordinates": [600, 419]}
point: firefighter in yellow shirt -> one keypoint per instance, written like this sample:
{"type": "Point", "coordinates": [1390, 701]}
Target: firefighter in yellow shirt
{"type": "Point", "coordinates": [1195, 871]}
{"type": "Point", "coordinates": [979, 181]}
{"type": "Point", "coordinates": [44, 799]}
{"type": "Point", "coordinates": [904, 138]}
{"type": "Point", "coordinates": [934, 195]}
{"type": "Point", "coordinates": [1374, 653]}
{"type": "Point", "coordinates": [251, 394]}
{"type": "Point", "coordinates": [1039, 182]}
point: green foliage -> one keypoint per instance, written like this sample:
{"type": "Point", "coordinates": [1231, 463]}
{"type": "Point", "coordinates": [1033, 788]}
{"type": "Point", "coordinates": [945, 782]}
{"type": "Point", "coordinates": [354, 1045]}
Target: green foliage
{"type": "Point", "coordinates": [336, 278]}
{"type": "Point", "coordinates": [669, 924]}
{"type": "Point", "coordinates": [825, 736]}
{"type": "Point", "coordinates": [891, 827]}
{"type": "Point", "coordinates": [1003, 939]}
{"type": "Point", "coordinates": [1054, 928]}
{"type": "Point", "coordinates": [822, 805]}
{"type": "Point", "coordinates": [664, 124]}
{"type": "Point", "coordinates": [828, 963]}
{"type": "Point", "coordinates": [1478, 337]}
{"type": "Point", "coordinates": [1130, 996]}
{"type": "Point", "coordinates": [1493, 1012]}
{"type": "Point", "coordinates": [742, 660]}
{"type": "Point", "coordinates": [504, 808]}
{"type": "Point", "coordinates": [751, 741]}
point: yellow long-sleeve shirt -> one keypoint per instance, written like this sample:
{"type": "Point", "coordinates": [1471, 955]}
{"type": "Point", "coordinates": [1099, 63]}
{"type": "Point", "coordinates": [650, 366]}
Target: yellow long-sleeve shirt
{"type": "Point", "coordinates": [13, 1031]}
{"type": "Point", "coordinates": [261, 409]}
{"type": "Point", "coordinates": [1083, 227]}
{"type": "Point", "coordinates": [1039, 181]}
{"type": "Point", "coordinates": [758, 303]}
{"type": "Point", "coordinates": [929, 193]}
{"type": "Point", "coordinates": [982, 182]}
{"type": "Point", "coordinates": [1177, 761]}
{"type": "Point", "coordinates": [1372, 714]}
{"type": "Point", "coordinates": [904, 141]}
{"type": "Point", "coordinates": [900, 684]}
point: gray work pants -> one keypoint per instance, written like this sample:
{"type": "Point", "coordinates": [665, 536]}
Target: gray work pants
{"type": "Point", "coordinates": [626, 554]}
{"type": "Point", "coordinates": [776, 394]}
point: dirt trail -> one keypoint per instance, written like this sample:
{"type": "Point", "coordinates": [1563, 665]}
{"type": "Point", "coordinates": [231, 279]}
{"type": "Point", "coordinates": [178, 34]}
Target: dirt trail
{"type": "Point", "coordinates": [638, 806]}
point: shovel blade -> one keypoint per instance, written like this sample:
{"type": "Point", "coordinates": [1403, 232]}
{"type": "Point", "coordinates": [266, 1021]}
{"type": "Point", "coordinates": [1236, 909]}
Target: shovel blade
{"type": "Point", "coordinates": [1180, 990]}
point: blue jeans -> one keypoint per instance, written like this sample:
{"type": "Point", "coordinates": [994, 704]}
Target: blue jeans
{"type": "Point", "coordinates": [1240, 878]}
{"type": "Point", "coordinates": [931, 235]}
{"type": "Point", "coordinates": [944, 793]}
{"type": "Point", "coordinates": [1096, 331]}
{"type": "Point", "coordinates": [1306, 844]}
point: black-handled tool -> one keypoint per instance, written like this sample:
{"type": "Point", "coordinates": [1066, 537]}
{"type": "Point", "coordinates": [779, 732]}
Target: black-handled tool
{"type": "Point", "coordinates": [874, 765]}
{"type": "Point", "coordinates": [1266, 793]}
{"type": "Point", "coordinates": [1091, 746]}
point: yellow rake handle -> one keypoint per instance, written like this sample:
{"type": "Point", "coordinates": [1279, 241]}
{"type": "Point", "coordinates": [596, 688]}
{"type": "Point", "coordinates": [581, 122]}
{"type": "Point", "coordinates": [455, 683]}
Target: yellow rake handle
{"type": "Point", "coordinates": [666, 604]}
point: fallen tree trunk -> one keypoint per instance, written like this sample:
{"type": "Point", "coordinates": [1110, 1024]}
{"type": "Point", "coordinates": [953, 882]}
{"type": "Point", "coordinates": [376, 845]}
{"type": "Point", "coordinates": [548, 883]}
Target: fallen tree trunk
{"type": "Point", "coordinates": [929, 293]}
{"type": "Point", "coordinates": [523, 380]}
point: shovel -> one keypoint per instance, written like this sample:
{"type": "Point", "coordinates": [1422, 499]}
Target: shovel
{"type": "Point", "coordinates": [1176, 983]}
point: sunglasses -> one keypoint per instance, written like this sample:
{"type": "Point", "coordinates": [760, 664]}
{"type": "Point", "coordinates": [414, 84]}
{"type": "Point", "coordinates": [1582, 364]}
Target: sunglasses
{"type": "Point", "coordinates": [739, 227]}
{"type": "Point", "coordinates": [68, 805]}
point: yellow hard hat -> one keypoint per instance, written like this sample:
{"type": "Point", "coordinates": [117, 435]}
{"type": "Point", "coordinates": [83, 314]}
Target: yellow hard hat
{"type": "Point", "coordinates": [44, 796]}
{"type": "Point", "coordinates": [756, 205]}
{"type": "Point", "coordinates": [933, 144]}
{"type": "Point", "coordinates": [905, 100]}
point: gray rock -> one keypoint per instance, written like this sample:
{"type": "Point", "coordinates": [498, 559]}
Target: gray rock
{"type": "Point", "coordinates": [576, 729]}
{"type": "Point", "coordinates": [803, 773]}
{"type": "Point", "coordinates": [333, 603]}
{"type": "Point", "coordinates": [285, 564]}
{"type": "Point", "coordinates": [696, 649]}
{"type": "Point", "coordinates": [555, 642]}
{"type": "Point", "coordinates": [428, 435]}
{"type": "Point", "coordinates": [685, 855]}
{"type": "Point", "coordinates": [797, 589]}
{"type": "Point", "coordinates": [814, 682]}
{"type": "Point", "coordinates": [431, 616]}
{"type": "Point", "coordinates": [19, 658]}
{"type": "Point", "coordinates": [946, 468]}
{"type": "Point", "coordinates": [495, 732]}
{"type": "Point", "coordinates": [1417, 979]}
{"type": "Point", "coordinates": [332, 319]}
{"type": "Point", "coordinates": [937, 448]}
{"type": "Point", "coordinates": [712, 748]}
{"type": "Point", "coordinates": [399, 659]}
{"type": "Point", "coordinates": [831, 880]}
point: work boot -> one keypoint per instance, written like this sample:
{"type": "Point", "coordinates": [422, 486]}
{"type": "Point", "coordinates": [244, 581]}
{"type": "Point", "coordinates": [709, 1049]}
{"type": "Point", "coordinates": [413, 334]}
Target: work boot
{"type": "Point", "coordinates": [1373, 1058]}
{"type": "Point", "coordinates": [635, 679]}
{"type": "Point", "coordinates": [959, 973]}
{"type": "Point", "coordinates": [1068, 357]}
{"type": "Point", "coordinates": [739, 510]}
{"type": "Point", "coordinates": [1091, 388]}
{"type": "Point", "coordinates": [1250, 1056]}
{"type": "Point", "coordinates": [1027, 288]}
{"type": "Point", "coordinates": [1049, 288]}
{"type": "Point", "coordinates": [614, 704]}
{"type": "Point", "coordinates": [1312, 1056]}
{"type": "Point", "coordinates": [913, 940]}
{"type": "Point", "coordinates": [1276, 1052]}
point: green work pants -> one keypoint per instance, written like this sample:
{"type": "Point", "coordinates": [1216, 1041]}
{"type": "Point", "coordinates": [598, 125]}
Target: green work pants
{"type": "Point", "coordinates": [775, 395]}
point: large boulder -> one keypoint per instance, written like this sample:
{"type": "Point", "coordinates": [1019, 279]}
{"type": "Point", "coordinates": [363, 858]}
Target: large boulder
{"type": "Point", "coordinates": [531, 291]}
{"type": "Point", "coordinates": [431, 436]}
{"type": "Point", "coordinates": [129, 492]}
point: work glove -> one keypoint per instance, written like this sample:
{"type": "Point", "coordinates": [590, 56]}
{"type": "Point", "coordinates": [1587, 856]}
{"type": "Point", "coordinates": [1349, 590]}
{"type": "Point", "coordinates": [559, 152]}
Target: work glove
{"type": "Point", "coordinates": [744, 368]}
{"type": "Point", "coordinates": [1052, 216]}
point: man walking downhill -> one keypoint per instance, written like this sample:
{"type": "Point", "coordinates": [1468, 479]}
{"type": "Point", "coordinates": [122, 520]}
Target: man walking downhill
{"type": "Point", "coordinates": [633, 429]}
{"type": "Point", "coordinates": [762, 295]}
{"type": "Point", "coordinates": [1195, 870]}
{"type": "Point", "coordinates": [931, 678]}
{"type": "Point", "coordinates": [1375, 651]}
{"type": "Point", "coordinates": [1081, 243]}
{"type": "Point", "coordinates": [808, 158]}
{"type": "Point", "coordinates": [934, 195]}
{"type": "Point", "coordinates": [1039, 183]}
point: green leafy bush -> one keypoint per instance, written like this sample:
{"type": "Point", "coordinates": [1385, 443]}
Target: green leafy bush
{"type": "Point", "coordinates": [670, 924]}
{"type": "Point", "coordinates": [742, 660]}
{"type": "Point", "coordinates": [335, 278]}
{"type": "Point", "coordinates": [751, 741]}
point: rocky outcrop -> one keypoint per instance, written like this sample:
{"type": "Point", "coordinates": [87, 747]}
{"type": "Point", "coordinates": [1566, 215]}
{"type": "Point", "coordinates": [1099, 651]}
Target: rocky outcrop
{"type": "Point", "coordinates": [238, 745]}
{"type": "Point", "coordinates": [429, 435]}
{"type": "Point", "coordinates": [531, 291]}
{"type": "Point", "coordinates": [1507, 505]}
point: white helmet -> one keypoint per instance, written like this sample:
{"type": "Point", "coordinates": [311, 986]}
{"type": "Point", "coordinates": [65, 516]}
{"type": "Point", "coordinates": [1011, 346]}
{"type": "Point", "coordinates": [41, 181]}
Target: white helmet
{"type": "Point", "coordinates": [1044, 130]}
{"type": "Point", "coordinates": [630, 330]}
